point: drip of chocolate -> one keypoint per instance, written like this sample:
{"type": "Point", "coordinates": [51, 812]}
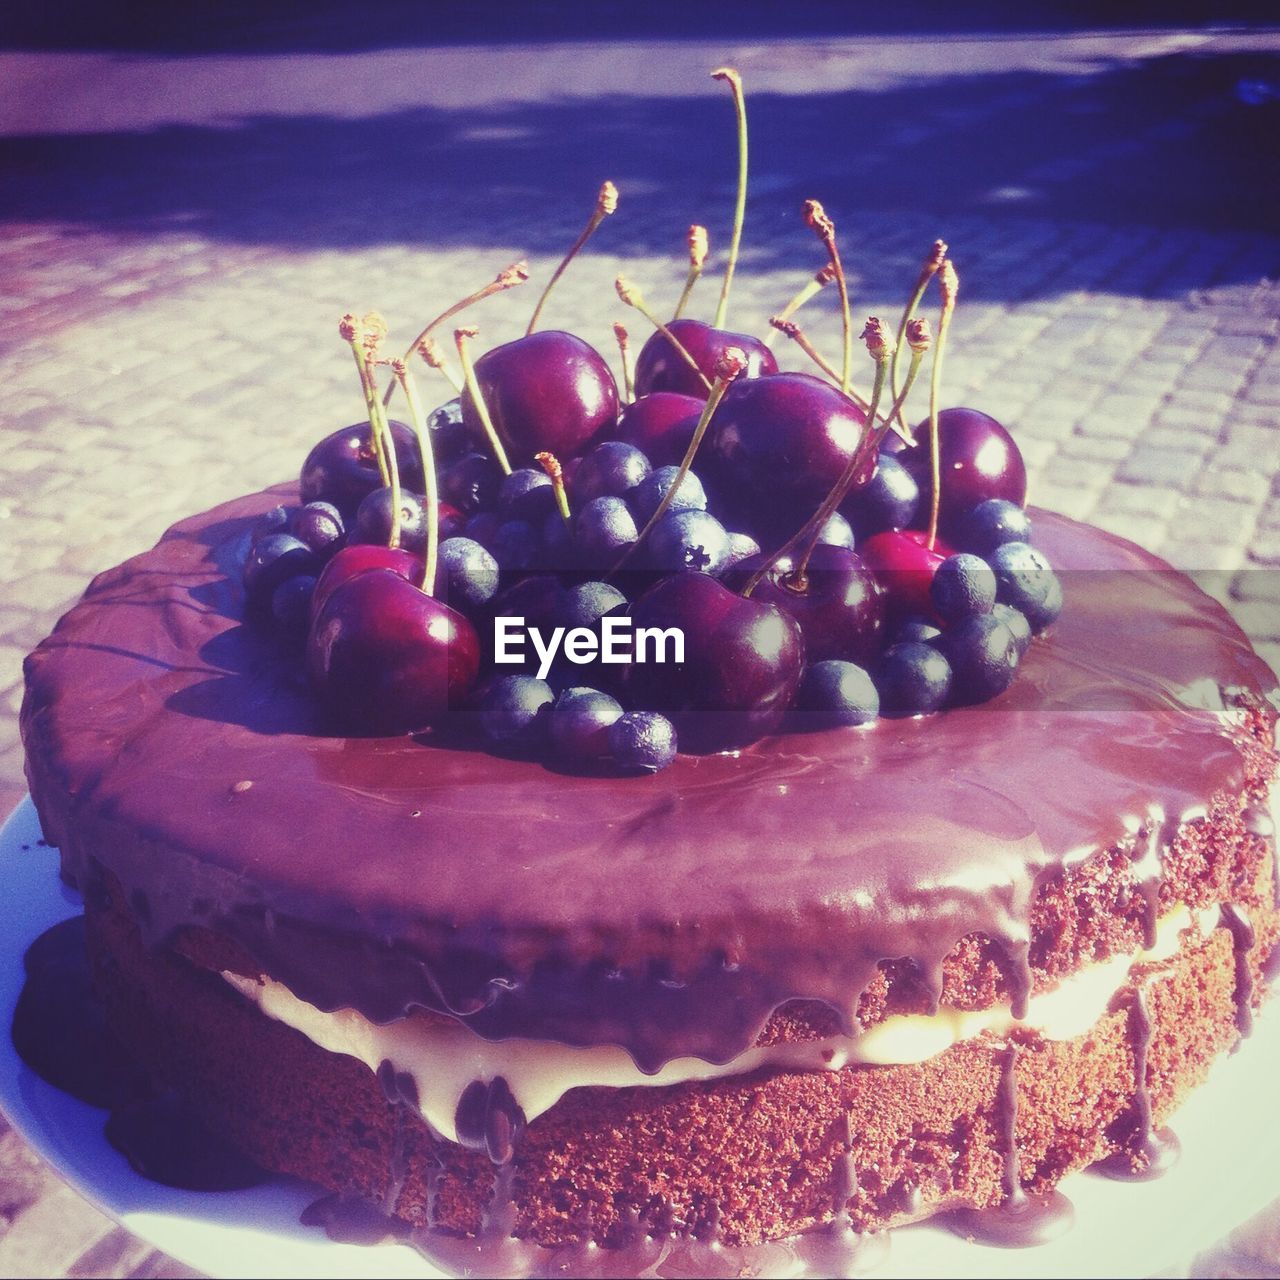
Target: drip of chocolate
{"type": "Point", "coordinates": [489, 1119]}
{"type": "Point", "coordinates": [1147, 1153]}
{"type": "Point", "coordinates": [1022, 1219]}
{"type": "Point", "coordinates": [1236, 921]}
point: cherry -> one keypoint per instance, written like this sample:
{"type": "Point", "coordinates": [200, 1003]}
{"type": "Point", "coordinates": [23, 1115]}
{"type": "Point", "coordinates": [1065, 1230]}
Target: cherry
{"type": "Point", "coordinates": [388, 658]}
{"type": "Point", "coordinates": [548, 391]}
{"type": "Point", "coordinates": [742, 663]}
{"type": "Point", "coordinates": [778, 445]}
{"type": "Point", "coordinates": [661, 425]}
{"type": "Point", "coordinates": [357, 558]}
{"type": "Point", "coordinates": [342, 468]}
{"type": "Point", "coordinates": [660, 367]}
{"type": "Point", "coordinates": [978, 458]}
{"type": "Point", "coordinates": [839, 606]}
{"type": "Point", "coordinates": [904, 565]}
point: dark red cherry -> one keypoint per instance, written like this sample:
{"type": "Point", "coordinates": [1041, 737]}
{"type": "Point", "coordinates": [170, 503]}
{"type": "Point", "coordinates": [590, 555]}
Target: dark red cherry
{"type": "Point", "coordinates": [342, 469]}
{"type": "Point", "coordinates": [904, 565]}
{"type": "Point", "coordinates": [839, 605]}
{"type": "Point", "coordinates": [661, 425]}
{"type": "Point", "coordinates": [359, 558]}
{"type": "Point", "coordinates": [548, 391]}
{"type": "Point", "coordinates": [660, 367]}
{"type": "Point", "coordinates": [978, 460]}
{"type": "Point", "coordinates": [777, 445]}
{"type": "Point", "coordinates": [741, 668]}
{"type": "Point", "coordinates": [388, 658]}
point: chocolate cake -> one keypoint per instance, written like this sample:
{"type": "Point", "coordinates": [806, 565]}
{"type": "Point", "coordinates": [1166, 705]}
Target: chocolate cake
{"type": "Point", "coordinates": [752, 1008]}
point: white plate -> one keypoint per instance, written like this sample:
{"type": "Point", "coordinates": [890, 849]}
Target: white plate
{"type": "Point", "coordinates": [1227, 1172]}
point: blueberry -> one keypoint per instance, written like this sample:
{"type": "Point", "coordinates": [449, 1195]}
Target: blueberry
{"type": "Point", "coordinates": [889, 500]}
{"type": "Point", "coordinates": [603, 530]}
{"type": "Point", "coordinates": [470, 483]}
{"type": "Point", "coordinates": [836, 531]}
{"type": "Point", "coordinates": [558, 551]}
{"type": "Point", "coordinates": [963, 586]}
{"type": "Point", "coordinates": [1017, 624]}
{"type": "Point", "coordinates": [449, 437]}
{"type": "Point", "coordinates": [984, 657]}
{"type": "Point", "coordinates": [991, 524]}
{"type": "Point", "coordinates": [291, 605]}
{"type": "Point", "coordinates": [917, 629]}
{"type": "Point", "coordinates": [646, 496]}
{"type": "Point", "coordinates": [515, 545]}
{"type": "Point", "coordinates": [373, 520]}
{"type": "Point", "coordinates": [1026, 580]}
{"type": "Point", "coordinates": [642, 741]}
{"type": "Point", "coordinates": [274, 521]}
{"type": "Point", "coordinates": [319, 525]}
{"type": "Point", "coordinates": [585, 603]}
{"type": "Point", "coordinates": [482, 527]}
{"type": "Point", "coordinates": [610, 470]}
{"type": "Point", "coordinates": [526, 494]}
{"type": "Point", "coordinates": [741, 546]}
{"type": "Point", "coordinates": [467, 575]}
{"type": "Point", "coordinates": [912, 679]}
{"type": "Point", "coordinates": [514, 711]}
{"type": "Point", "coordinates": [688, 540]}
{"type": "Point", "coordinates": [579, 725]}
{"type": "Point", "coordinates": [835, 693]}
{"type": "Point", "coordinates": [272, 560]}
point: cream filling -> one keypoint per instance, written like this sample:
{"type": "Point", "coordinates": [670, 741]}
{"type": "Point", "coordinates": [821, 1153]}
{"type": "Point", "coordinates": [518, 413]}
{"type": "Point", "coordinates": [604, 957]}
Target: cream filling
{"type": "Point", "coordinates": [443, 1059]}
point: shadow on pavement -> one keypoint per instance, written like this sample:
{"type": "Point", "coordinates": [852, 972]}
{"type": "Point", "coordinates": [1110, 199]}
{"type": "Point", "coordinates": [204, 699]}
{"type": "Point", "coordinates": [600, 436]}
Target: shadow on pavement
{"type": "Point", "coordinates": [1167, 142]}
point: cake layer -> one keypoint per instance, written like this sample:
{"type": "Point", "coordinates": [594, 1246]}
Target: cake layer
{"type": "Point", "coordinates": [748, 1159]}
{"type": "Point", "coordinates": [954, 858]}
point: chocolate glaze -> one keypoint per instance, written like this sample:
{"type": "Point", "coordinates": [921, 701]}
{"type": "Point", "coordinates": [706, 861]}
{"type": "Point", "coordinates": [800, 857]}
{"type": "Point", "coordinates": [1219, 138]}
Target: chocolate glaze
{"type": "Point", "coordinates": [1146, 1152]}
{"type": "Point", "coordinates": [1236, 920]}
{"type": "Point", "coordinates": [670, 914]}
{"type": "Point", "coordinates": [60, 1033]}
{"type": "Point", "coordinates": [59, 1030]}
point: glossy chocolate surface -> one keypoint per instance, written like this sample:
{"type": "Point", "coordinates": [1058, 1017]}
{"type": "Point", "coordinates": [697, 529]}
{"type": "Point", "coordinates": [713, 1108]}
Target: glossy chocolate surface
{"type": "Point", "coordinates": [180, 748]}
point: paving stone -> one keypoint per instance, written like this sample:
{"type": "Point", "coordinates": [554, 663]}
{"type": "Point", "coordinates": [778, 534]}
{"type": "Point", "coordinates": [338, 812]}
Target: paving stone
{"type": "Point", "coordinates": [1233, 485]}
{"type": "Point", "coordinates": [1162, 468]}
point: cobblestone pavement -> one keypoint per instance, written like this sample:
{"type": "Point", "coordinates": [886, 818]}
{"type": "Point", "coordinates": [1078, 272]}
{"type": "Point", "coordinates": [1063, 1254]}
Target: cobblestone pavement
{"type": "Point", "coordinates": [182, 234]}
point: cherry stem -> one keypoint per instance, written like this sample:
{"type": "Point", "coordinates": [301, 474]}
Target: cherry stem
{"type": "Point", "coordinates": [927, 271]}
{"type": "Point", "coordinates": [815, 286]}
{"type": "Point", "coordinates": [734, 81]}
{"type": "Point", "coordinates": [460, 337]}
{"type": "Point", "coordinates": [434, 358]}
{"type": "Point", "coordinates": [350, 329]}
{"type": "Point", "coordinates": [634, 298]}
{"type": "Point", "coordinates": [606, 203]}
{"type": "Point", "coordinates": [383, 432]}
{"type": "Point", "coordinates": [812, 528]}
{"type": "Point", "coordinates": [517, 273]}
{"type": "Point", "coordinates": [893, 420]}
{"type": "Point", "coordinates": [551, 465]}
{"type": "Point", "coordinates": [427, 452]}
{"type": "Point", "coordinates": [816, 218]}
{"type": "Point", "coordinates": [732, 362]}
{"type": "Point", "coordinates": [624, 352]}
{"type": "Point", "coordinates": [950, 285]}
{"type": "Point", "coordinates": [697, 256]}
{"type": "Point", "coordinates": [801, 339]}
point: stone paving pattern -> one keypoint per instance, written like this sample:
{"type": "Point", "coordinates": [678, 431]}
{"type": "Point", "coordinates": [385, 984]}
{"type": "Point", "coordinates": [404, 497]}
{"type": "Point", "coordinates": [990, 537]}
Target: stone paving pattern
{"type": "Point", "coordinates": [171, 284]}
